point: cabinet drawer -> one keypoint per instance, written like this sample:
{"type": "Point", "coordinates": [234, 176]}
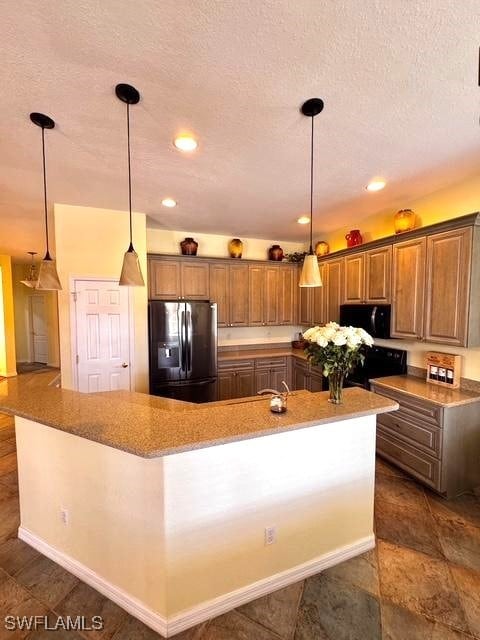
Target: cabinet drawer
{"type": "Point", "coordinates": [235, 365]}
{"type": "Point", "coordinates": [269, 363]}
{"type": "Point", "coordinates": [408, 457]}
{"type": "Point", "coordinates": [414, 409]}
{"type": "Point", "coordinates": [424, 436]}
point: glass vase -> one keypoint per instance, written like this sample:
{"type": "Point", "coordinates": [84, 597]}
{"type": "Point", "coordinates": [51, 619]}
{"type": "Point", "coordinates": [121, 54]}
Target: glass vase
{"type": "Point", "coordinates": [335, 386]}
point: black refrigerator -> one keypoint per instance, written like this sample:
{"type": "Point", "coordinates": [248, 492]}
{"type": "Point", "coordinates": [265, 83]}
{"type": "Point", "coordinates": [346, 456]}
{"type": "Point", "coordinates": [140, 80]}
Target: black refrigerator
{"type": "Point", "coordinates": [183, 350]}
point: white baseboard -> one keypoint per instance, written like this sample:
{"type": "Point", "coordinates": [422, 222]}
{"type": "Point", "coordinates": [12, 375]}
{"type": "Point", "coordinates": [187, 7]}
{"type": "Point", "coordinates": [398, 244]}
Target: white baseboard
{"type": "Point", "coordinates": [169, 626]}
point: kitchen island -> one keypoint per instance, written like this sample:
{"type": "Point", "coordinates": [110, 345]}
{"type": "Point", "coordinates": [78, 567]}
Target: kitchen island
{"type": "Point", "coordinates": [180, 512]}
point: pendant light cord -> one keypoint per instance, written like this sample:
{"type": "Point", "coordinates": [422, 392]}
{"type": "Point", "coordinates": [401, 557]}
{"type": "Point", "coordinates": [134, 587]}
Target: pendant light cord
{"type": "Point", "coordinates": [311, 193]}
{"type": "Point", "coordinates": [130, 248]}
{"type": "Point", "coordinates": [47, 255]}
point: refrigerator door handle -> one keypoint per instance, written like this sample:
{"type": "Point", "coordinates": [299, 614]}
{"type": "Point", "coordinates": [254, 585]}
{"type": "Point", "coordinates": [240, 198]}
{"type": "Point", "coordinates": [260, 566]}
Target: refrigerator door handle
{"type": "Point", "coordinates": [189, 331]}
{"type": "Point", "coordinates": [181, 331]}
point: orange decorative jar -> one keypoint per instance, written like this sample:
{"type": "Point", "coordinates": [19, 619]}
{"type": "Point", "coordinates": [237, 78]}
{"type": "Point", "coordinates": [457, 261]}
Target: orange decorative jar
{"type": "Point", "coordinates": [404, 220]}
{"type": "Point", "coordinates": [322, 248]}
{"type": "Point", "coordinates": [235, 248]}
{"type": "Point", "coordinates": [354, 238]}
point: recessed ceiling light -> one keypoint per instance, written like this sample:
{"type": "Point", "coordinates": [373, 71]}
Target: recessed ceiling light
{"type": "Point", "coordinates": [375, 185]}
{"type": "Point", "coordinates": [185, 143]}
{"type": "Point", "coordinates": [169, 202]}
{"type": "Point", "coordinates": [303, 220]}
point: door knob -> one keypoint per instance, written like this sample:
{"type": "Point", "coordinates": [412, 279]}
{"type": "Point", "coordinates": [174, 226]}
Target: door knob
{"type": "Point", "coordinates": [124, 365]}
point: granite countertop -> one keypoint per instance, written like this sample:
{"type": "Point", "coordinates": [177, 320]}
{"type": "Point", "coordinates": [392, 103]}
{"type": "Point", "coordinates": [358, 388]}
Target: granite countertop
{"type": "Point", "coordinates": [248, 354]}
{"type": "Point", "coordinates": [151, 427]}
{"type": "Point", "coordinates": [420, 388]}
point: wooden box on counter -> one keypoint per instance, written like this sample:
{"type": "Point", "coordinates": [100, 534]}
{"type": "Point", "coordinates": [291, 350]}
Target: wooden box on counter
{"type": "Point", "coordinates": [444, 369]}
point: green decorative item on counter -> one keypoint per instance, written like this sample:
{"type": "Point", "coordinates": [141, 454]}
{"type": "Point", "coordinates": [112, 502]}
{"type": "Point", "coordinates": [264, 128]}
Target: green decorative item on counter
{"type": "Point", "coordinates": [338, 350]}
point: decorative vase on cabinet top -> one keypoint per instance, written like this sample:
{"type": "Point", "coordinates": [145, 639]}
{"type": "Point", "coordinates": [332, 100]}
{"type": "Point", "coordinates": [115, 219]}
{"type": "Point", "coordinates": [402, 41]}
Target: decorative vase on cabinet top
{"type": "Point", "coordinates": [322, 248]}
{"type": "Point", "coordinates": [404, 220]}
{"type": "Point", "coordinates": [275, 253]}
{"type": "Point", "coordinates": [189, 247]}
{"type": "Point", "coordinates": [354, 238]}
{"type": "Point", "coordinates": [235, 248]}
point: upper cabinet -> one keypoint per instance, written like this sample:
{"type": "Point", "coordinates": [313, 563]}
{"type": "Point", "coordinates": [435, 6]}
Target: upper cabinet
{"type": "Point", "coordinates": [312, 301]}
{"type": "Point", "coordinates": [177, 280]}
{"type": "Point", "coordinates": [237, 295]}
{"type": "Point", "coordinates": [368, 277]}
{"type": "Point", "coordinates": [449, 306]}
{"type": "Point", "coordinates": [333, 283]}
{"type": "Point", "coordinates": [408, 288]}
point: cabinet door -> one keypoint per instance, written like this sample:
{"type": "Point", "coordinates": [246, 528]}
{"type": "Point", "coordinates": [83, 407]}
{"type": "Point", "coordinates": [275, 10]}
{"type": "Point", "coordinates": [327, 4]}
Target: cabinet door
{"type": "Point", "coordinates": [271, 293]}
{"type": "Point", "coordinates": [319, 315]}
{"type": "Point", "coordinates": [195, 281]}
{"type": "Point", "coordinates": [378, 270]}
{"type": "Point", "coordinates": [316, 380]}
{"type": "Point", "coordinates": [354, 291]}
{"type": "Point", "coordinates": [245, 383]}
{"type": "Point", "coordinates": [277, 376]}
{"type": "Point", "coordinates": [304, 304]}
{"type": "Point", "coordinates": [238, 295]}
{"type": "Point", "coordinates": [262, 380]}
{"type": "Point", "coordinates": [226, 385]}
{"type": "Point", "coordinates": [164, 279]}
{"type": "Point", "coordinates": [334, 287]}
{"type": "Point", "coordinates": [286, 300]}
{"type": "Point", "coordinates": [256, 294]}
{"type": "Point", "coordinates": [219, 283]}
{"type": "Point", "coordinates": [448, 285]}
{"type": "Point", "coordinates": [301, 376]}
{"type": "Point", "coordinates": [408, 288]}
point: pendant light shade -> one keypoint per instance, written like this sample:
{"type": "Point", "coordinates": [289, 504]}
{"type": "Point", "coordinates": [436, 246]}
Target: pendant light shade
{"type": "Point", "coordinates": [31, 280]}
{"type": "Point", "coordinates": [131, 275]}
{"type": "Point", "coordinates": [310, 276]}
{"type": "Point", "coordinates": [48, 279]}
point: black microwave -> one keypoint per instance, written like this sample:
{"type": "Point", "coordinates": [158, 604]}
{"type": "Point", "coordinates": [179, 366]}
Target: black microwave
{"type": "Point", "coordinates": [374, 318]}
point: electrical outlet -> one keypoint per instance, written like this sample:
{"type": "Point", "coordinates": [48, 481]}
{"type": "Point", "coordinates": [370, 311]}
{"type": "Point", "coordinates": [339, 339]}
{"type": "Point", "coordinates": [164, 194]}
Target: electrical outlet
{"type": "Point", "coordinates": [64, 515]}
{"type": "Point", "coordinates": [270, 535]}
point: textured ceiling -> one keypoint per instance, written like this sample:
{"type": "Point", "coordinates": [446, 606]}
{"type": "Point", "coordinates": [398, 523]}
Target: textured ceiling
{"type": "Point", "coordinates": [399, 80]}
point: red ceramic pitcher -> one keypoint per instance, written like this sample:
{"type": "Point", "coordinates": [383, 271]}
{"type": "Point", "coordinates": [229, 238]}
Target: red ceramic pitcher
{"type": "Point", "coordinates": [354, 238]}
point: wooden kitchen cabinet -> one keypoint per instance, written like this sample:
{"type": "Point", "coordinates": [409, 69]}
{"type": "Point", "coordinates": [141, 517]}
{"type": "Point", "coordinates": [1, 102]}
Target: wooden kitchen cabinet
{"type": "Point", "coordinates": [448, 287]}
{"type": "Point", "coordinates": [305, 376]}
{"type": "Point", "coordinates": [219, 291]}
{"type": "Point", "coordinates": [367, 277]}
{"type": "Point", "coordinates": [256, 295]}
{"type": "Point", "coordinates": [312, 305]}
{"type": "Point", "coordinates": [354, 279]}
{"type": "Point", "coordinates": [408, 289]}
{"type": "Point", "coordinates": [178, 280]}
{"type": "Point", "coordinates": [236, 379]}
{"type": "Point", "coordinates": [333, 279]}
{"type": "Point", "coordinates": [287, 295]}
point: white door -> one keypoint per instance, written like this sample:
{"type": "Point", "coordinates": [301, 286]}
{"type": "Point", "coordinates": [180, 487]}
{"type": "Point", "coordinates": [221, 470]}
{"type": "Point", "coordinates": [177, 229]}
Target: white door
{"type": "Point", "coordinates": [39, 329]}
{"type": "Point", "coordinates": [102, 336]}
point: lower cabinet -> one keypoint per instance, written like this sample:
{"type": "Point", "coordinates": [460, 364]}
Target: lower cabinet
{"type": "Point", "coordinates": [242, 378]}
{"type": "Point", "coordinates": [236, 379]}
{"type": "Point", "coordinates": [304, 376]}
{"type": "Point", "coordinates": [438, 445]}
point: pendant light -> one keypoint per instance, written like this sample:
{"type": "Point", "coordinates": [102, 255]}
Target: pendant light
{"type": "Point", "coordinates": [310, 276]}
{"type": "Point", "coordinates": [48, 279]}
{"type": "Point", "coordinates": [32, 277]}
{"type": "Point", "coordinates": [131, 272]}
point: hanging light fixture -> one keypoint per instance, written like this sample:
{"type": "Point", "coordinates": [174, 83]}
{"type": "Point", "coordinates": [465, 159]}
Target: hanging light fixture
{"type": "Point", "coordinates": [47, 275]}
{"type": "Point", "coordinates": [310, 276]}
{"type": "Point", "coordinates": [131, 272]}
{"type": "Point", "coordinates": [32, 277]}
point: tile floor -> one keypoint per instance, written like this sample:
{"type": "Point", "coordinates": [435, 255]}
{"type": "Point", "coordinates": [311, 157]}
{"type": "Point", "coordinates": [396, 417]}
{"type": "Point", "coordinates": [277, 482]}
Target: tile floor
{"type": "Point", "coordinates": [422, 582]}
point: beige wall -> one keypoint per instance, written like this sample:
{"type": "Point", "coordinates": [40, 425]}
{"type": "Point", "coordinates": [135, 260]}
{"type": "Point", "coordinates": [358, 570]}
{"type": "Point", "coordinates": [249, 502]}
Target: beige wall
{"type": "Point", "coordinates": [213, 246]}
{"type": "Point", "coordinates": [7, 320]}
{"type": "Point", "coordinates": [91, 243]}
{"type": "Point", "coordinates": [21, 300]}
{"type": "Point", "coordinates": [451, 202]}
